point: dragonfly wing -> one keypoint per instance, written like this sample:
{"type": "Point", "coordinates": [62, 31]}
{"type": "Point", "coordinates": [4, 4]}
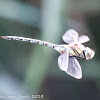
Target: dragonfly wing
{"type": "Point", "coordinates": [83, 39]}
{"type": "Point", "coordinates": [63, 61]}
{"type": "Point", "coordinates": [74, 68]}
{"type": "Point", "coordinates": [70, 36]}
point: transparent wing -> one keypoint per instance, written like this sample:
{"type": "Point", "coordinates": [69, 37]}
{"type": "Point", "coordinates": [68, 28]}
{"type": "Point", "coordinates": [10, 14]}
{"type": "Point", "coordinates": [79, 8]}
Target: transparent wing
{"type": "Point", "coordinates": [74, 68]}
{"type": "Point", "coordinates": [63, 61]}
{"type": "Point", "coordinates": [83, 39]}
{"type": "Point", "coordinates": [71, 36]}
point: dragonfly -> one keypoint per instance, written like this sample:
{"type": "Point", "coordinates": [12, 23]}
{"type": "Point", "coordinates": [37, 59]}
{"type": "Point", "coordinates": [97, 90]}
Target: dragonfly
{"type": "Point", "coordinates": [69, 53]}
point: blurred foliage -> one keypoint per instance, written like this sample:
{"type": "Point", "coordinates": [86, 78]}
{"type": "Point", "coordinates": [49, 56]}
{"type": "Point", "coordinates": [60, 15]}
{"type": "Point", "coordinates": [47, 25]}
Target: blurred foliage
{"type": "Point", "coordinates": [33, 69]}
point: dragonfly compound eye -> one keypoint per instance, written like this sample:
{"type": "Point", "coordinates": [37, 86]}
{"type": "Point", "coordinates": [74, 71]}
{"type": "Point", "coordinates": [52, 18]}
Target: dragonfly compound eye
{"type": "Point", "coordinates": [89, 54]}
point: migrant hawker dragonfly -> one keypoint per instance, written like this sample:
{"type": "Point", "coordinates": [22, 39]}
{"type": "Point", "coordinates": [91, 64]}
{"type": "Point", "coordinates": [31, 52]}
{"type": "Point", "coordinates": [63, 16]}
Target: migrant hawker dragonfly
{"type": "Point", "coordinates": [70, 52]}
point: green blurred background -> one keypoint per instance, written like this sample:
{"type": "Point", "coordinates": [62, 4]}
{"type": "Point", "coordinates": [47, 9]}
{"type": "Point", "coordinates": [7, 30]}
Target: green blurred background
{"type": "Point", "coordinates": [29, 69]}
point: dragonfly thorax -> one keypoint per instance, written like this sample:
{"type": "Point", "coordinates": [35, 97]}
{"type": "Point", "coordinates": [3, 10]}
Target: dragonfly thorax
{"type": "Point", "coordinates": [76, 50]}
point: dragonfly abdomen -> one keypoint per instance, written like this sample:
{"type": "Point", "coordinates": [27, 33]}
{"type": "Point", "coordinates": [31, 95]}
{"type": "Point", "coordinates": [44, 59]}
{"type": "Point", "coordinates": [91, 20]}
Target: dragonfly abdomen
{"type": "Point", "coordinates": [58, 48]}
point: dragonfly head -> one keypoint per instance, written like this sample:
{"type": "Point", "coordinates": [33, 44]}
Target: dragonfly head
{"type": "Point", "coordinates": [89, 53]}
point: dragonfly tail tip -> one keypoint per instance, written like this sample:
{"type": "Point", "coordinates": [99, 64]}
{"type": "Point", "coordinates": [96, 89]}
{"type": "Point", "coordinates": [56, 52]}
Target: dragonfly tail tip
{"type": "Point", "coordinates": [4, 37]}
